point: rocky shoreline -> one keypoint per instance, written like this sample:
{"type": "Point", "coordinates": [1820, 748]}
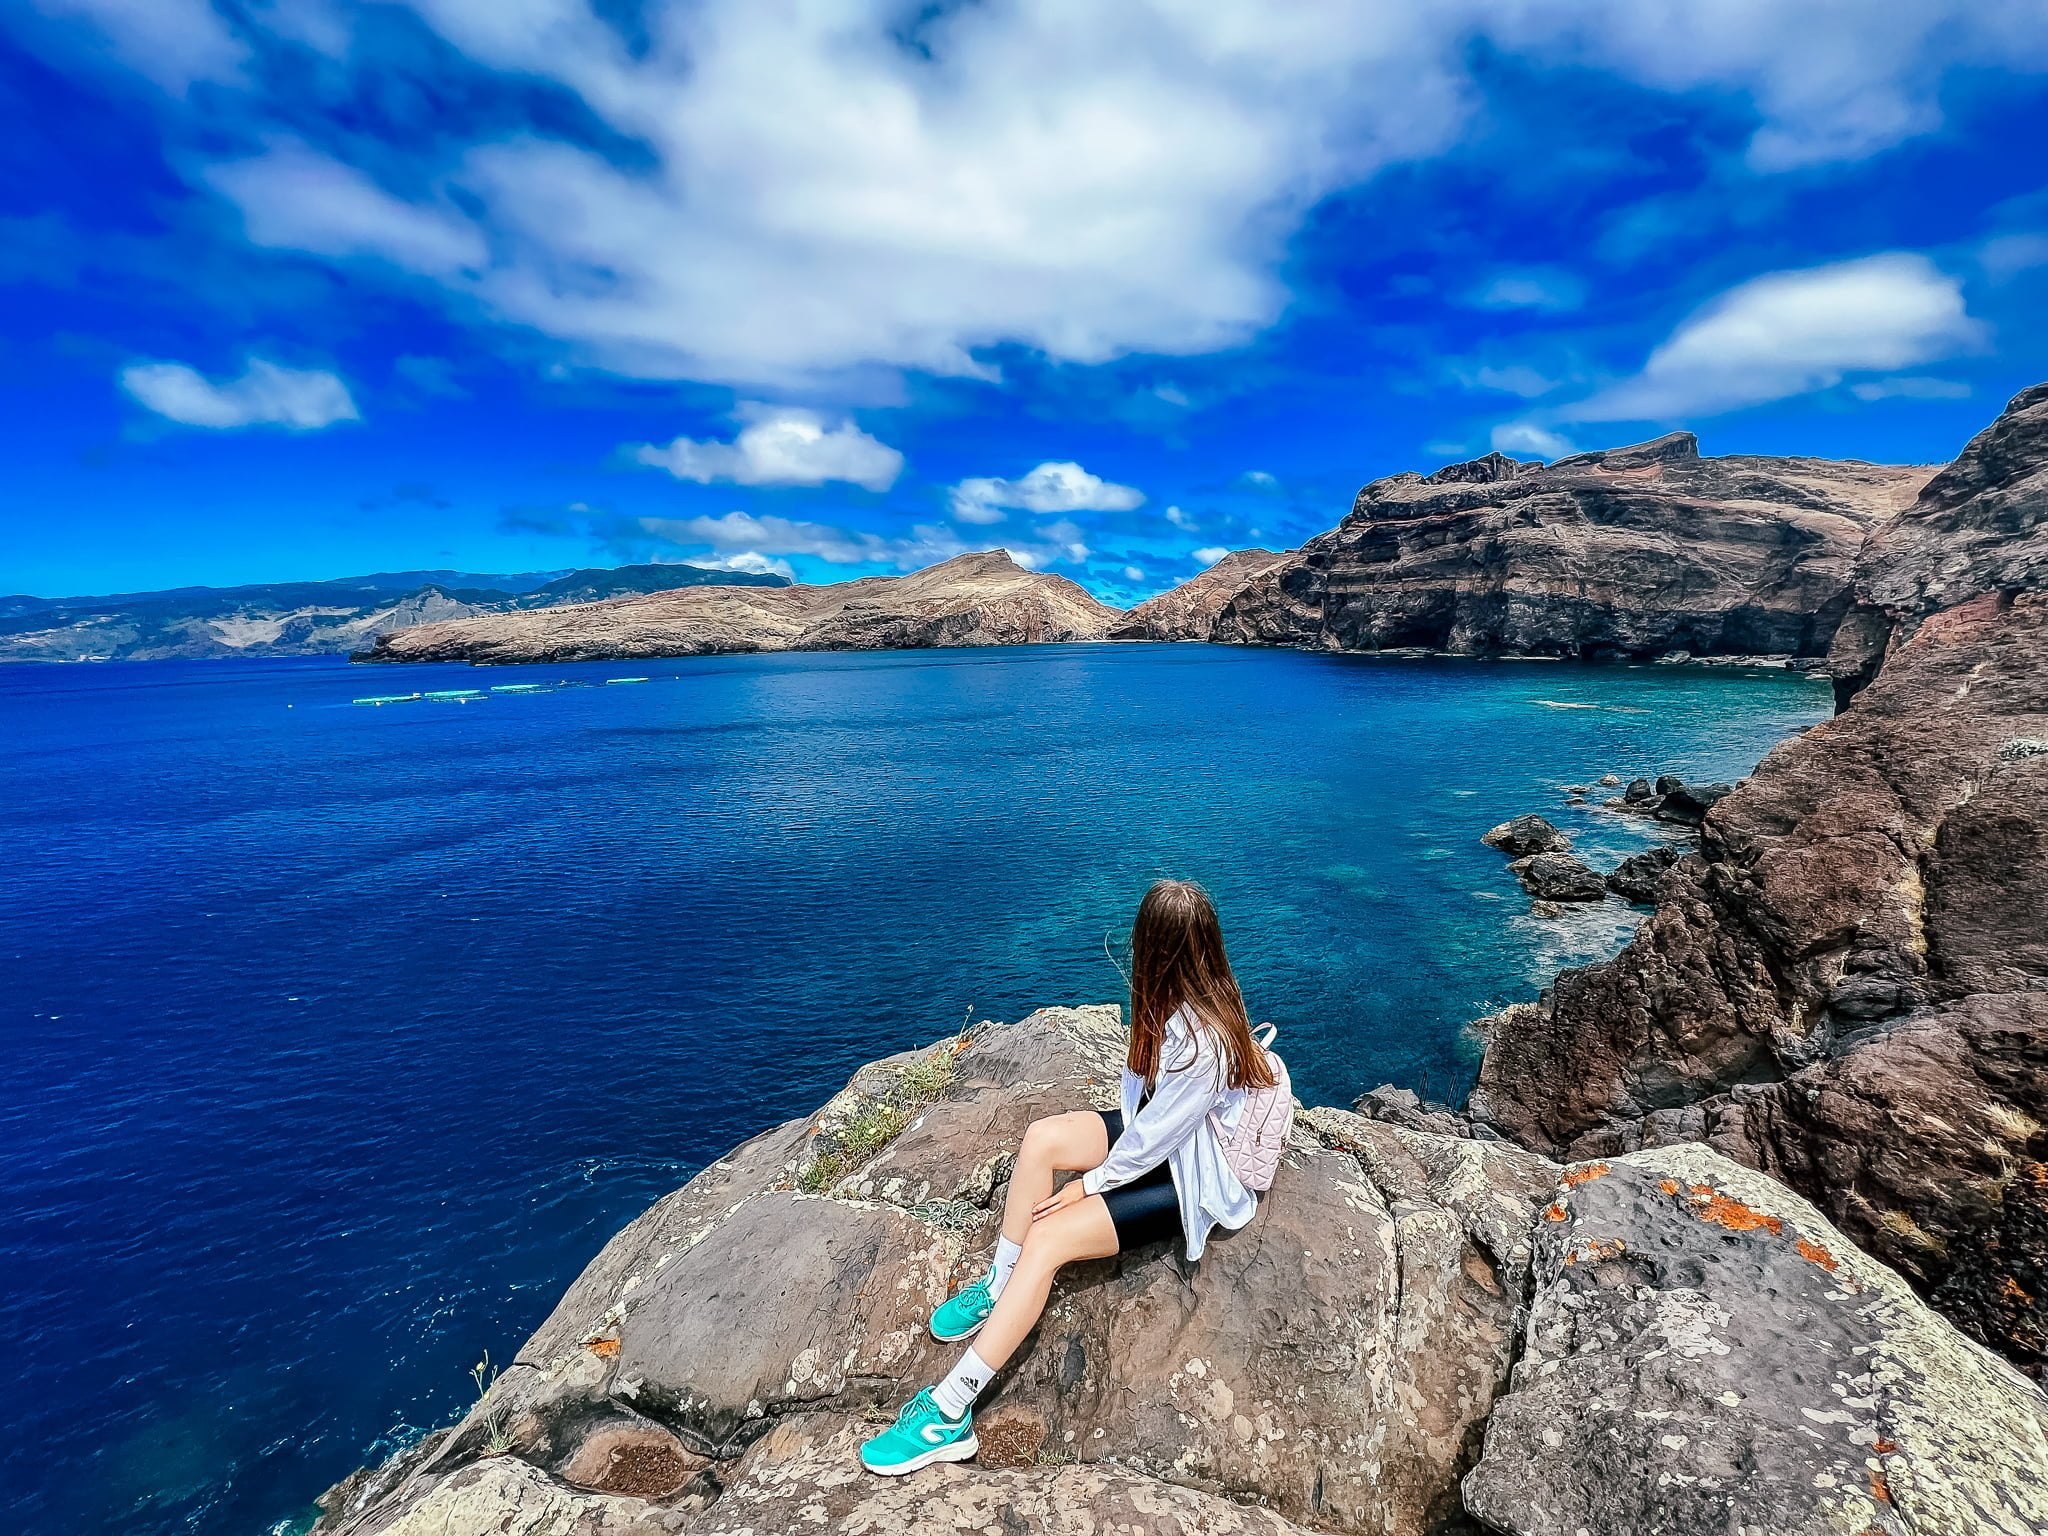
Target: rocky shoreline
{"type": "Point", "coordinates": [1846, 986]}
{"type": "Point", "coordinates": [1420, 1333]}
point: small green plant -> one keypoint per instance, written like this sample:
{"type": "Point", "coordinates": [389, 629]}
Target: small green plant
{"type": "Point", "coordinates": [880, 1118]}
{"type": "Point", "coordinates": [927, 1077]}
{"type": "Point", "coordinates": [871, 1127]}
{"type": "Point", "coordinates": [496, 1441]}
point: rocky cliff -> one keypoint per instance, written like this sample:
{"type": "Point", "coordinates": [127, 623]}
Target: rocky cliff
{"type": "Point", "coordinates": [1847, 987]}
{"type": "Point", "coordinates": [1416, 1331]}
{"type": "Point", "coordinates": [1635, 552]}
{"type": "Point", "coordinates": [1189, 611]}
{"type": "Point", "coordinates": [976, 599]}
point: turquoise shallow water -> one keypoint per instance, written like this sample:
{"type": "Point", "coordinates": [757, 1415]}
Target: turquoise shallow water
{"type": "Point", "coordinates": [342, 1036]}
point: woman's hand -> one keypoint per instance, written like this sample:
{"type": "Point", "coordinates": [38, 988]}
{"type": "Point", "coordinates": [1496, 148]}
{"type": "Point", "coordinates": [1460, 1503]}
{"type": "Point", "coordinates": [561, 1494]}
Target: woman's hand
{"type": "Point", "coordinates": [1071, 1193]}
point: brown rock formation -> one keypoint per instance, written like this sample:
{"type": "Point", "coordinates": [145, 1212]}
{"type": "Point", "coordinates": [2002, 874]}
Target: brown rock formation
{"type": "Point", "coordinates": [977, 599]}
{"type": "Point", "coordinates": [1415, 1328]}
{"type": "Point", "coordinates": [1631, 552]}
{"type": "Point", "coordinates": [1188, 612]}
{"type": "Point", "coordinates": [1848, 986]}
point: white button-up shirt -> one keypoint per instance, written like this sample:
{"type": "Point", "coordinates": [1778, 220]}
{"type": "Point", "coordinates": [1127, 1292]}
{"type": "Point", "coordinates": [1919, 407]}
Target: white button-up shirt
{"type": "Point", "coordinates": [1173, 1127]}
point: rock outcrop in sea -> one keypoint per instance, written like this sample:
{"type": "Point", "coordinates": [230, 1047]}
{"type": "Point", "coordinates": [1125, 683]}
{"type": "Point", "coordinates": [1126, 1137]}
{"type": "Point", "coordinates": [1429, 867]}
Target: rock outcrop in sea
{"type": "Point", "coordinates": [1416, 1332]}
{"type": "Point", "coordinates": [1630, 553]}
{"type": "Point", "coordinates": [973, 599]}
{"type": "Point", "coordinates": [1846, 987]}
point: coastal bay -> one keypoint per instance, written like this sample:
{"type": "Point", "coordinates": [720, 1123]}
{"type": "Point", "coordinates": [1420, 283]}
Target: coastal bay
{"type": "Point", "coordinates": [350, 1033]}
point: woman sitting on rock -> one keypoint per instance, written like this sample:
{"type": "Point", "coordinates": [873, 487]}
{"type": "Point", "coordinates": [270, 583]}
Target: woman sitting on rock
{"type": "Point", "coordinates": [1159, 1169]}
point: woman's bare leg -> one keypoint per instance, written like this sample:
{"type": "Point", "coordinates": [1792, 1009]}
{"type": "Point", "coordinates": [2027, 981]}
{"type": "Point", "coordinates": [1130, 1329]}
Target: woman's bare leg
{"type": "Point", "coordinates": [1059, 1143]}
{"type": "Point", "coordinates": [1082, 1231]}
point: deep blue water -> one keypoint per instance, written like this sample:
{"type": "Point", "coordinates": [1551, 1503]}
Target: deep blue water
{"type": "Point", "coordinates": [340, 1038]}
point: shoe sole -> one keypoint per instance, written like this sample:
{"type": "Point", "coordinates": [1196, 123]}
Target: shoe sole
{"type": "Point", "coordinates": [953, 1338]}
{"type": "Point", "coordinates": [959, 1450]}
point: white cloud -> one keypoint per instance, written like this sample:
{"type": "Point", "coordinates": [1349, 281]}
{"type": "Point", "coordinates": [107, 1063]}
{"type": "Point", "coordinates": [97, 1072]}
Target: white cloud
{"type": "Point", "coordinates": [1057, 486]}
{"type": "Point", "coordinates": [176, 43]}
{"type": "Point", "coordinates": [1211, 554]}
{"type": "Point", "coordinates": [2003, 256]}
{"type": "Point", "coordinates": [1529, 440]}
{"type": "Point", "coordinates": [1539, 288]}
{"type": "Point", "coordinates": [1512, 379]}
{"type": "Point", "coordinates": [1180, 519]}
{"type": "Point", "coordinates": [781, 446]}
{"type": "Point", "coordinates": [833, 186]}
{"type": "Point", "coordinates": [1260, 478]}
{"type": "Point", "coordinates": [1830, 80]}
{"type": "Point", "coordinates": [739, 537]}
{"type": "Point", "coordinates": [264, 395]}
{"type": "Point", "coordinates": [1788, 333]}
{"type": "Point", "coordinates": [1911, 387]}
{"type": "Point", "coordinates": [743, 534]}
{"type": "Point", "coordinates": [1133, 573]}
{"type": "Point", "coordinates": [751, 561]}
{"type": "Point", "coordinates": [295, 198]}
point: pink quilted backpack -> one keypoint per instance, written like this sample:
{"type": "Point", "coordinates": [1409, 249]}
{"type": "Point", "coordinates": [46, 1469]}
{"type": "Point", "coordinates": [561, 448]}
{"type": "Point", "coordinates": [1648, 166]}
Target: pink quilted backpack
{"type": "Point", "coordinates": [1253, 1149]}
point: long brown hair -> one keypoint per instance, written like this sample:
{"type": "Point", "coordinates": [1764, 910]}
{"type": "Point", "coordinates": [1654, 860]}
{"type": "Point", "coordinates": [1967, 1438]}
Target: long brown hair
{"type": "Point", "coordinates": [1177, 961]}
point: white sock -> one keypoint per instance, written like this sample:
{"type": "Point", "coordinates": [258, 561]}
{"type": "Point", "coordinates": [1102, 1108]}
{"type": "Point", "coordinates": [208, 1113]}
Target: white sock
{"type": "Point", "coordinates": [956, 1394]}
{"type": "Point", "coordinates": [1007, 1254]}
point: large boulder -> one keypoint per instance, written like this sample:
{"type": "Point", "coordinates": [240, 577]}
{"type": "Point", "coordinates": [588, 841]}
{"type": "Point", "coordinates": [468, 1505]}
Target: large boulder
{"type": "Point", "coordinates": [1636, 552]}
{"type": "Point", "coordinates": [1332, 1362]}
{"type": "Point", "coordinates": [1525, 835]}
{"type": "Point", "coordinates": [1706, 1354]}
{"type": "Point", "coordinates": [1688, 804]}
{"type": "Point", "coordinates": [1640, 876]}
{"type": "Point", "coordinates": [1558, 877]}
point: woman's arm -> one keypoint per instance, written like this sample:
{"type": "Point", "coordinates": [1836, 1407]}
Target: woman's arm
{"type": "Point", "coordinates": [1180, 1102]}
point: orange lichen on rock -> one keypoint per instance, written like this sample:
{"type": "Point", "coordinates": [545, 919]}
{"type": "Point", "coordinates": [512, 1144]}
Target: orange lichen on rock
{"type": "Point", "coordinates": [1597, 1250]}
{"type": "Point", "coordinates": [2011, 1287]}
{"type": "Point", "coordinates": [1814, 1253]}
{"type": "Point", "coordinates": [1574, 1177]}
{"type": "Point", "coordinates": [1885, 1447]}
{"type": "Point", "coordinates": [1669, 1186]}
{"type": "Point", "coordinates": [604, 1348]}
{"type": "Point", "coordinates": [1555, 1212]}
{"type": "Point", "coordinates": [1878, 1489]}
{"type": "Point", "coordinates": [1724, 1211]}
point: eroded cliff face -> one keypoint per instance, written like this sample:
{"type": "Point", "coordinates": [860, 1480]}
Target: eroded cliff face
{"type": "Point", "coordinates": [1416, 1328]}
{"type": "Point", "coordinates": [1634, 552]}
{"type": "Point", "coordinates": [976, 599]}
{"type": "Point", "coordinates": [1189, 611]}
{"type": "Point", "coordinates": [1848, 986]}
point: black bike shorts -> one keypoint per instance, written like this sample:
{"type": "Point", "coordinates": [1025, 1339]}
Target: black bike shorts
{"type": "Point", "coordinates": [1145, 1210]}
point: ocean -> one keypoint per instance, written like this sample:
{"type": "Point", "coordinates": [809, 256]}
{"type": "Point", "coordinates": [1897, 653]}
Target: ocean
{"type": "Point", "coordinates": [340, 1035]}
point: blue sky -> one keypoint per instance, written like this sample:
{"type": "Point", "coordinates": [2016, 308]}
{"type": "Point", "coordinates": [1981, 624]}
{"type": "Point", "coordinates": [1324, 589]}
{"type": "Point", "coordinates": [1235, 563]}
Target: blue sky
{"type": "Point", "coordinates": [297, 288]}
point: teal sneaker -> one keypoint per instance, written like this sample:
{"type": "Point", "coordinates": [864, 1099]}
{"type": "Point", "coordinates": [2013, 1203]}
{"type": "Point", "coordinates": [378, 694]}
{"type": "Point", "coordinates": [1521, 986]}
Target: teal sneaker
{"type": "Point", "coordinates": [920, 1436]}
{"type": "Point", "coordinates": [962, 1317]}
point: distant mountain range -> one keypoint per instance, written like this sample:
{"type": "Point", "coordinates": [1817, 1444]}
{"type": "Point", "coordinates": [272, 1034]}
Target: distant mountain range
{"type": "Point", "coordinates": [309, 618]}
{"type": "Point", "coordinates": [984, 598]}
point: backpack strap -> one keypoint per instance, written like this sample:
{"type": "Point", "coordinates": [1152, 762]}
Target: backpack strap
{"type": "Point", "coordinates": [1272, 1033]}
